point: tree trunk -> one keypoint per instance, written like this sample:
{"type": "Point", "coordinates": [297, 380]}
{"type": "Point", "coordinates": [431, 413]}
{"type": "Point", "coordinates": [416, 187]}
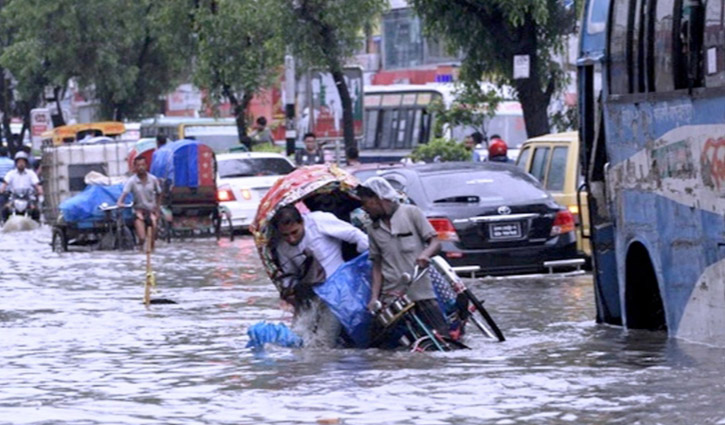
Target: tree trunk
{"type": "Point", "coordinates": [240, 114]}
{"type": "Point", "coordinates": [533, 96]}
{"type": "Point", "coordinates": [58, 119]}
{"type": "Point", "coordinates": [348, 125]}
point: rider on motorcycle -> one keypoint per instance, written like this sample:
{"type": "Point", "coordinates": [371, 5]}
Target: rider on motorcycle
{"type": "Point", "coordinates": [21, 178]}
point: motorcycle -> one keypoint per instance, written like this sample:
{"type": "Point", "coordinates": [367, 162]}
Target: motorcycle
{"type": "Point", "coordinates": [23, 202]}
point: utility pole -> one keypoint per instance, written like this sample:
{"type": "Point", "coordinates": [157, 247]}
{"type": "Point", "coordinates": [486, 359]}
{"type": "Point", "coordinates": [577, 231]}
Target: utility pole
{"type": "Point", "coordinates": [289, 103]}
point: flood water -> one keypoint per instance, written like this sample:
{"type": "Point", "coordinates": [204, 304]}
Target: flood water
{"type": "Point", "coordinates": [77, 346]}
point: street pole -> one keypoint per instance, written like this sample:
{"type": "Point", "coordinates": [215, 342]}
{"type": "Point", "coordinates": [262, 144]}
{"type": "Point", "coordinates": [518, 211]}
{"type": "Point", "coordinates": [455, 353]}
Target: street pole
{"type": "Point", "coordinates": [289, 103]}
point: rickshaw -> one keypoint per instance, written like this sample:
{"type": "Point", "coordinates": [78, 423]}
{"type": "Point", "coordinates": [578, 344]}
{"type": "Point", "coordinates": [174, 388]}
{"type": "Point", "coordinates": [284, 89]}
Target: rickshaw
{"type": "Point", "coordinates": [330, 188]}
{"type": "Point", "coordinates": [189, 207]}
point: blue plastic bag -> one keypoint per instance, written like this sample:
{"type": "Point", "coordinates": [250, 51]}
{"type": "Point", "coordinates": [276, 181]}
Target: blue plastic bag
{"type": "Point", "coordinates": [347, 293]}
{"type": "Point", "coordinates": [269, 333]}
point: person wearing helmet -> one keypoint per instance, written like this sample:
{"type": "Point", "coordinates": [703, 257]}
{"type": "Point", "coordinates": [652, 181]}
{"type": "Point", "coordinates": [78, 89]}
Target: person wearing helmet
{"type": "Point", "coordinates": [497, 150]}
{"type": "Point", "coordinates": [21, 178]}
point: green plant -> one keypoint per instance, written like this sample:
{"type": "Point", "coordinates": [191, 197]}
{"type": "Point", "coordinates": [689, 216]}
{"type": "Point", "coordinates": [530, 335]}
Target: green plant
{"type": "Point", "coordinates": [440, 150]}
{"type": "Point", "coordinates": [267, 147]}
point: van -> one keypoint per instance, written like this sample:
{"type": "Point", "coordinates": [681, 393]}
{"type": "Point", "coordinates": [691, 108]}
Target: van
{"type": "Point", "coordinates": [554, 160]}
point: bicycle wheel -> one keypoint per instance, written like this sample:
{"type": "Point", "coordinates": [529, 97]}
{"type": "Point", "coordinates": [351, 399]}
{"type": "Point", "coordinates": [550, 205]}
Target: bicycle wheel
{"type": "Point", "coordinates": [483, 321]}
{"type": "Point", "coordinates": [124, 237]}
{"type": "Point", "coordinates": [59, 243]}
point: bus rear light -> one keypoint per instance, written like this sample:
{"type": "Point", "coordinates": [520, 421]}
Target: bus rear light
{"type": "Point", "coordinates": [563, 223]}
{"type": "Point", "coordinates": [444, 228]}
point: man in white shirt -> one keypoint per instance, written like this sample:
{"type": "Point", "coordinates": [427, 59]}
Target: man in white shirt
{"type": "Point", "coordinates": [21, 178]}
{"type": "Point", "coordinates": [311, 251]}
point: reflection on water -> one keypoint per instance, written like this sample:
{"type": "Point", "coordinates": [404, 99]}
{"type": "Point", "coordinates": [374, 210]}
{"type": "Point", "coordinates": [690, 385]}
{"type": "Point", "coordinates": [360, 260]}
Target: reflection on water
{"type": "Point", "coordinates": [78, 347]}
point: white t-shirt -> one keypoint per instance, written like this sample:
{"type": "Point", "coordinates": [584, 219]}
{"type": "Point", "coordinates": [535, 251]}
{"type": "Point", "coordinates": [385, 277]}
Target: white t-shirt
{"type": "Point", "coordinates": [324, 234]}
{"type": "Point", "coordinates": [18, 181]}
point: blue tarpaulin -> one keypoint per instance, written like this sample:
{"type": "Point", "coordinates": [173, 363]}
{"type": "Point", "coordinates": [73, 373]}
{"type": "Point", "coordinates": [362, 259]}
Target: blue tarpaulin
{"type": "Point", "coordinates": [347, 293]}
{"type": "Point", "coordinates": [177, 163]}
{"type": "Point", "coordinates": [270, 333]}
{"type": "Point", "coordinates": [84, 207]}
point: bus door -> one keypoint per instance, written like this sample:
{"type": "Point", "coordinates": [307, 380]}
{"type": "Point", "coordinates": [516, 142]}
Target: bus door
{"type": "Point", "coordinates": [593, 160]}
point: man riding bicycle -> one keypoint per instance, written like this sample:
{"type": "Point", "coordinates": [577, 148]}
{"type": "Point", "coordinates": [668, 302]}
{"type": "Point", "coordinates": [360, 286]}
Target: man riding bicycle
{"type": "Point", "coordinates": [146, 192]}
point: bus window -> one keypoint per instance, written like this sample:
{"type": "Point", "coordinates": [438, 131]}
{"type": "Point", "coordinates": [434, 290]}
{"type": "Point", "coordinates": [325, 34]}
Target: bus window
{"type": "Point", "coordinates": [688, 44]}
{"type": "Point", "coordinates": [618, 69]}
{"type": "Point", "coordinates": [538, 164]}
{"type": "Point", "coordinates": [663, 70]}
{"type": "Point", "coordinates": [371, 128]}
{"type": "Point", "coordinates": [714, 42]}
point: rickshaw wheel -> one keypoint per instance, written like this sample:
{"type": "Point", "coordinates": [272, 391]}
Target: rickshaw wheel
{"type": "Point", "coordinates": [164, 230]}
{"type": "Point", "coordinates": [60, 242]}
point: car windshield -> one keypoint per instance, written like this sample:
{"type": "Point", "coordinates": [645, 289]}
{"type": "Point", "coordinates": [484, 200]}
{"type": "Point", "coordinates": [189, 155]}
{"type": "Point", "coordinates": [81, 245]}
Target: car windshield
{"type": "Point", "coordinates": [483, 186]}
{"type": "Point", "coordinates": [249, 167]}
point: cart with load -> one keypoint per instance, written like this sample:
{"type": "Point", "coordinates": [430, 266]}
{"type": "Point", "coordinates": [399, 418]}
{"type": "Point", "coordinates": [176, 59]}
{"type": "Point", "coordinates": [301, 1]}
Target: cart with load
{"type": "Point", "coordinates": [186, 170]}
{"type": "Point", "coordinates": [91, 219]}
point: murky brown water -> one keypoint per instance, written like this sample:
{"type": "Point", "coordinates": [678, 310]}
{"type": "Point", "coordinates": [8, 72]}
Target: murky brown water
{"type": "Point", "coordinates": [78, 347]}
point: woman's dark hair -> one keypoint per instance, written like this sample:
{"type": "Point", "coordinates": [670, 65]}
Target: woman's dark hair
{"type": "Point", "coordinates": [262, 121]}
{"type": "Point", "coordinates": [286, 215]}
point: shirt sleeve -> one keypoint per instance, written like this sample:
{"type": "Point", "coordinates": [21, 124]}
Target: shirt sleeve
{"type": "Point", "coordinates": [127, 186]}
{"type": "Point", "coordinates": [425, 229]}
{"type": "Point", "coordinates": [374, 253]}
{"type": "Point", "coordinates": [332, 226]}
{"type": "Point", "coordinates": [33, 177]}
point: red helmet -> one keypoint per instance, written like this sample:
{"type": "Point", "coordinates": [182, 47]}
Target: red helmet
{"type": "Point", "coordinates": [497, 147]}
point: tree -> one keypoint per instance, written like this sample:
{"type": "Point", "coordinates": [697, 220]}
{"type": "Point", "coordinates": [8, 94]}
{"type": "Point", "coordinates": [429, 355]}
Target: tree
{"type": "Point", "coordinates": [124, 54]}
{"type": "Point", "coordinates": [240, 52]}
{"type": "Point", "coordinates": [324, 34]}
{"type": "Point", "coordinates": [473, 106]}
{"type": "Point", "coordinates": [491, 32]}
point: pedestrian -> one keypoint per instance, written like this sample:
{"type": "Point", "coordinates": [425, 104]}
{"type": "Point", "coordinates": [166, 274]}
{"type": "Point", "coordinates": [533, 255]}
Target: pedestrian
{"type": "Point", "coordinates": [146, 192]}
{"type": "Point", "coordinates": [353, 156]}
{"type": "Point", "coordinates": [470, 146]}
{"type": "Point", "coordinates": [400, 237]}
{"type": "Point", "coordinates": [20, 178]}
{"type": "Point", "coordinates": [261, 134]}
{"type": "Point", "coordinates": [309, 251]}
{"type": "Point", "coordinates": [311, 154]}
{"type": "Point", "coordinates": [6, 164]}
{"type": "Point", "coordinates": [497, 150]}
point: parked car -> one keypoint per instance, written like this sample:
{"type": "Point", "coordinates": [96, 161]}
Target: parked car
{"type": "Point", "coordinates": [244, 178]}
{"type": "Point", "coordinates": [554, 160]}
{"type": "Point", "coordinates": [491, 218]}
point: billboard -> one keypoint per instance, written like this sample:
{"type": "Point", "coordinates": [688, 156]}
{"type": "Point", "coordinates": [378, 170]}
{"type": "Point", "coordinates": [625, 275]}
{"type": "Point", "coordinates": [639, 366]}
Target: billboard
{"type": "Point", "coordinates": [322, 113]}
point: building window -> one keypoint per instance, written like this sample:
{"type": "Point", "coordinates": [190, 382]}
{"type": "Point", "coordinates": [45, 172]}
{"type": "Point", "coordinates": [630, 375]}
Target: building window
{"type": "Point", "coordinates": [404, 45]}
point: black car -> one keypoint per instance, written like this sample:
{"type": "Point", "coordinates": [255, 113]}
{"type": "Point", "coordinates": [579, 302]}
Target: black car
{"type": "Point", "coordinates": [494, 218]}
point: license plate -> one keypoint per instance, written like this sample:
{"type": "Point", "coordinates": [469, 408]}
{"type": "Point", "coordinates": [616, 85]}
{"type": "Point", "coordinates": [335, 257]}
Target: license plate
{"type": "Point", "coordinates": [505, 230]}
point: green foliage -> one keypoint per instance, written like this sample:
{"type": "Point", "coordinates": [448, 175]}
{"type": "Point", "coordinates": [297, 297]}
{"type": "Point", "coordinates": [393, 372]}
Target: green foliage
{"type": "Point", "coordinates": [267, 147]}
{"type": "Point", "coordinates": [125, 54]}
{"type": "Point", "coordinates": [472, 106]}
{"type": "Point", "coordinates": [566, 119]}
{"type": "Point", "coordinates": [442, 150]}
{"type": "Point", "coordinates": [240, 48]}
{"type": "Point", "coordinates": [490, 32]}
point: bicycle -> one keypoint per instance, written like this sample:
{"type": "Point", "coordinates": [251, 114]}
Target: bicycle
{"type": "Point", "coordinates": [118, 235]}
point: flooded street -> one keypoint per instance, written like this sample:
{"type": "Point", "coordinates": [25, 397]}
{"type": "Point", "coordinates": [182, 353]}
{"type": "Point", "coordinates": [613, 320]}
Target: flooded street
{"type": "Point", "coordinates": [78, 347]}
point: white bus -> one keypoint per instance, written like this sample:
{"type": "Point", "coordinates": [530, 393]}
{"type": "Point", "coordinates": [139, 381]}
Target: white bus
{"type": "Point", "coordinates": [397, 119]}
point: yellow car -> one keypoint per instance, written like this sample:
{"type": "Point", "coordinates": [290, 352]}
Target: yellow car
{"type": "Point", "coordinates": [554, 160]}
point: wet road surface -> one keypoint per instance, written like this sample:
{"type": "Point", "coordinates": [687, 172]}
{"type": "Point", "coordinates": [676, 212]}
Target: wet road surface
{"type": "Point", "coordinates": [78, 347]}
